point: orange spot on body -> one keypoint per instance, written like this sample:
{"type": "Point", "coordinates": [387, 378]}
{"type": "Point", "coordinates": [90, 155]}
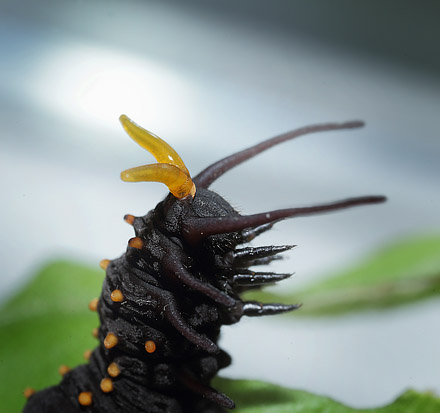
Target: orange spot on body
{"type": "Point", "coordinates": [63, 369]}
{"type": "Point", "coordinates": [117, 296]}
{"type": "Point", "coordinates": [85, 398]}
{"type": "Point", "coordinates": [95, 332]}
{"type": "Point", "coordinates": [150, 346]}
{"type": "Point", "coordinates": [104, 264]}
{"type": "Point", "coordinates": [106, 385]}
{"type": "Point", "coordinates": [93, 305]}
{"type": "Point", "coordinates": [87, 354]}
{"type": "Point", "coordinates": [136, 242]}
{"type": "Point", "coordinates": [113, 370]}
{"type": "Point", "coordinates": [28, 392]}
{"type": "Point", "coordinates": [129, 219]}
{"type": "Point", "coordinates": [110, 341]}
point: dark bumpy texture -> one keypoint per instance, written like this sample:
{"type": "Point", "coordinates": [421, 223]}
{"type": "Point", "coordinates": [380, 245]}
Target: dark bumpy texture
{"type": "Point", "coordinates": [181, 281]}
{"type": "Point", "coordinates": [158, 306]}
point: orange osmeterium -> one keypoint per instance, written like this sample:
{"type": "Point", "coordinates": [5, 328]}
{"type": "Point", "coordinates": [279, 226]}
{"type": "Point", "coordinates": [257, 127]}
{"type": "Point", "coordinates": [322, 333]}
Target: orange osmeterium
{"type": "Point", "coordinates": [170, 169]}
{"type": "Point", "coordinates": [117, 296]}
{"type": "Point", "coordinates": [106, 385]}
{"type": "Point", "coordinates": [93, 305]}
{"type": "Point", "coordinates": [113, 370]}
{"type": "Point", "coordinates": [28, 392]}
{"type": "Point", "coordinates": [136, 242]}
{"type": "Point", "coordinates": [104, 264]}
{"type": "Point", "coordinates": [163, 152]}
{"type": "Point", "coordinates": [63, 369]}
{"type": "Point", "coordinates": [85, 398]}
{"type": "Point", "coordinates": [110, 341]}
{"type": "Point", "coordinates": [150, 346]}
{"type": "Point", "coordinates": [178, 182]}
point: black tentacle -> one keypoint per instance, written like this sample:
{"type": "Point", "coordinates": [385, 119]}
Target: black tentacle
{"type": "Point", "coordinates": [176, 268]}
{"type": "Point", "coordinates": [174, 316]}
{"type": "Point", "coordinates": [205, 178]}
{"type": "Point", "coordinates": [251, 233]}
{"type": "Point", "coordinates": [258, 261]}
{"type": "Point", "coordinates": [256, 309]}
{"type": "Point", "coordinates": [253, 253]}
{"type": "Point", "coordinates": [205, 391]}
{"type": "Point", "coordinates": [252, 278]}
{"type": "Point", "coordinates": [198, 228]}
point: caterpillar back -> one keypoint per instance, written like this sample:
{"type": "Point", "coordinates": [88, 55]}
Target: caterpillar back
{"type": "Point", "coordinates": [164, 301]}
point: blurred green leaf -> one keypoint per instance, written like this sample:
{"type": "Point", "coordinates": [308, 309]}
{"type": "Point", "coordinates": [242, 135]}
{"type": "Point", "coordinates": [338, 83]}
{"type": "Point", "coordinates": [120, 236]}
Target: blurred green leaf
{"type": "Point", "coordinates": [48, 324]}
{"type": "Point", "coordinates": [405, 272]}
{"type": "Point", "coordinates": [258, 397]}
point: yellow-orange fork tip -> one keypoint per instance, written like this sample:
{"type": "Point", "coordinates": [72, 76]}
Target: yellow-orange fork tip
{"type": "Point", "coordinates": [170, 169]}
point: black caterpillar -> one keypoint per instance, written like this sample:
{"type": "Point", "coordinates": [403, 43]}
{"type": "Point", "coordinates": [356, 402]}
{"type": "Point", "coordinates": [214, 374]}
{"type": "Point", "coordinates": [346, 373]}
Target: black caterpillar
{"type": "Point", "coordinates": [164, 301]}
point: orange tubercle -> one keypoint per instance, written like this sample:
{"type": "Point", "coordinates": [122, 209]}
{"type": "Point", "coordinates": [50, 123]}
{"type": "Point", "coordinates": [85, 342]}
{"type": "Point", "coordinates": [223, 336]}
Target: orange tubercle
{"type": "Point", "coordinates": [106, 385]}
{"type": "Point", "coordinates": [110, 341]}
{"type": "Point", "coordinates": [63, 369]}
{"type": "Point", "coordinates": [95, 332]}
{"type": "Point", "coordinates": [113, 370]}
{"type": "Point", "coordinates": [93, 305]}
{"type": "Point", "coordinates": [85, 398]}
{"type": "Point", "coordinates": [150, 346]}
{"type": "Point", "coordinates": [28, 392]}
{"type": "Point", "coordinates": [136, 242]}
{"type": "Point", "coordinates": [104, 264]}
{"type": "Point", "coordinates": [117, 296]}
{"type": "Point", "coordinates": [87, 354]}
{"type": "Point", "coordinates": [129, 219]}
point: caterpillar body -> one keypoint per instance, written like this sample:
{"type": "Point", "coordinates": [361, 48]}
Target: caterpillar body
{"type": "Point", "coordinates": [164, 301]}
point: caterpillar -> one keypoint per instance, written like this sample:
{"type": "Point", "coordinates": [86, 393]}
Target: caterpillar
{"type": "Point", "coordinates": [163, 302]}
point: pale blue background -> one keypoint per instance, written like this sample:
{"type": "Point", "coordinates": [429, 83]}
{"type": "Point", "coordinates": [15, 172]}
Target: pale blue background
{"type": "Point", "coordinates": [212, 78]}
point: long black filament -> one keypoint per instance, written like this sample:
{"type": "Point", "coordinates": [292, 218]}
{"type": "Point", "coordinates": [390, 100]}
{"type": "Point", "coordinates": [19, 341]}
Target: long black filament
{"type": "Point", "coordinates": [205, 178]}
{"type": "Point", "coordinates": [199, 228]}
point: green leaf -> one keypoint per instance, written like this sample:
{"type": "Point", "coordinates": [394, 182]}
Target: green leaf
{"type": "Point", "coordinates": [258, 397]}
{"type": "Point", "coordinates": [48, 324]}
{"type": "Point", "coordinates": [399, 274]}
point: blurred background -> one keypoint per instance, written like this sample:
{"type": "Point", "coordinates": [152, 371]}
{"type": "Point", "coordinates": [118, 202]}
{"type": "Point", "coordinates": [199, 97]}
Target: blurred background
{"type": "Point", "coordinates": [212, 78]}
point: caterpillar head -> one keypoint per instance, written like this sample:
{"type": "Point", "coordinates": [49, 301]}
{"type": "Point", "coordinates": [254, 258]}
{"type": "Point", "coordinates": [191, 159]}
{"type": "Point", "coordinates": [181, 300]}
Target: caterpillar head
{"type": "Point", "coordinates": [193, 212]}
{"type": "Point", "coordinates": [186, 201]}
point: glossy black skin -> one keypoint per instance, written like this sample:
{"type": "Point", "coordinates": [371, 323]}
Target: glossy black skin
{"type": "Point", "coordinates": [164, 380]}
